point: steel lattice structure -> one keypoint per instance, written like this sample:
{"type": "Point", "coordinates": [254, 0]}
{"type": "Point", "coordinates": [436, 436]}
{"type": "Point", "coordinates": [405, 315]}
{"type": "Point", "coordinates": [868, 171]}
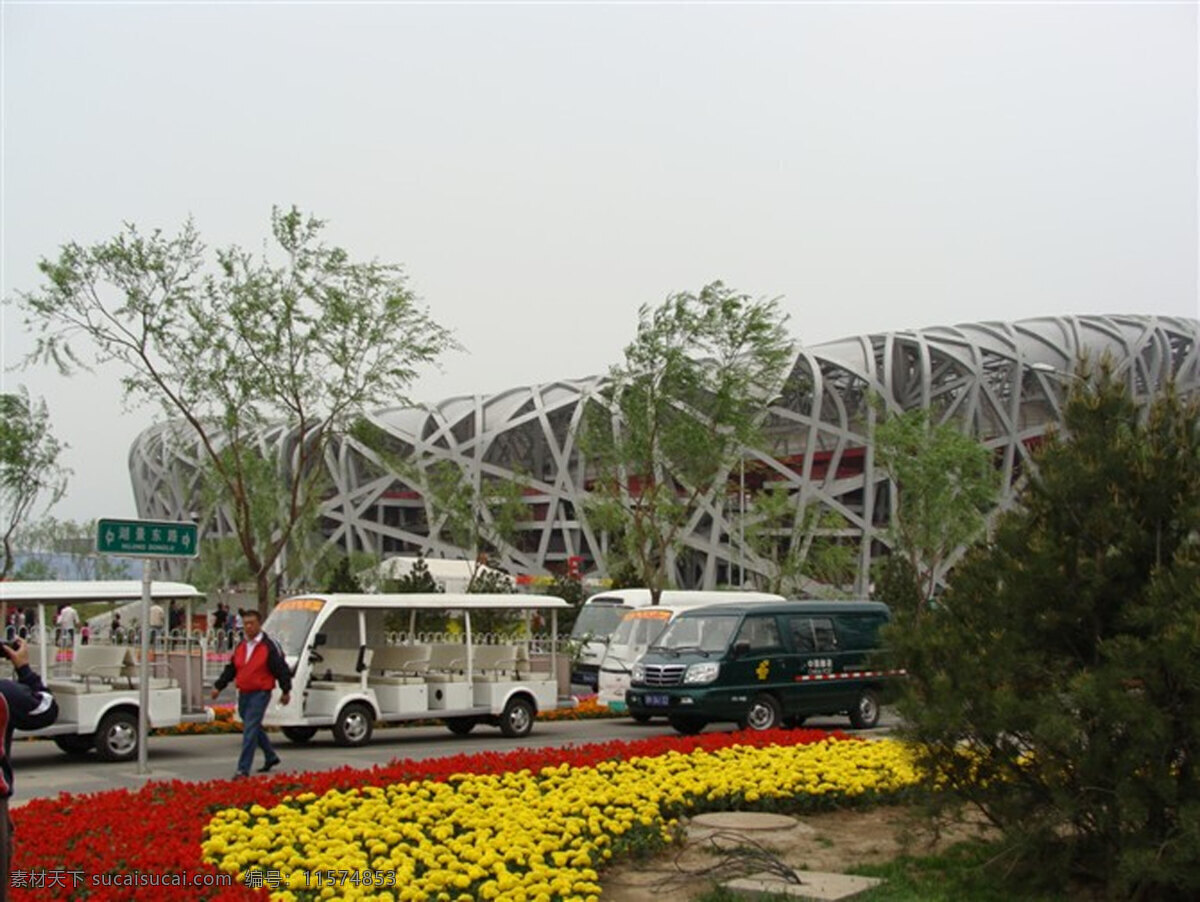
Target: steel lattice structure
{"type": "Point", "coordinates": [1003, 382]}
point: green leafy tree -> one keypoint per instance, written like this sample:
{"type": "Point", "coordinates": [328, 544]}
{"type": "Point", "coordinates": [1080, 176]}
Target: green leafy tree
{"type": "Point", "coordinates": [486, 581]}
{"type": "Point", "coordinates": [686, 402]}
{"type": "Point", "coordinates": [220, 567]}
{"type": "Point", "coordinates": [302, 346]}
{"type": "Point", "coordinates": [29, 467]}
{"type": "Point", "coordinates": [797, 549]}
{"type": "Point", "coordinates": [569, 587]}
{"type": "Point", "coordinates": [1056, 685]}
{"type": "Point", "coordinates": [34, 569]}
{"type": "Point", "coordinates": [480, 517]}
{"type": "Point", "coordinates": [72, 543]}
{"type": "Point", "coordinates": [944, 483]}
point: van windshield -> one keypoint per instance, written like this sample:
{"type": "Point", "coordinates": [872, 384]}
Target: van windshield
{"type": "Point", "coordinates": [640, 628]}
{"type": "Point", "coordinates": [291, 622]}
{"type": "Point", "coordinates": [598, 620]}
{"type": "Point", "coordinates": [707, 634]}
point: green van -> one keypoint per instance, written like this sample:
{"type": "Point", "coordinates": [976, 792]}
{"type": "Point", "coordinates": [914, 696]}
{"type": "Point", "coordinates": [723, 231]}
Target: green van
{"type": "Point", "coordinates": [764, 665]}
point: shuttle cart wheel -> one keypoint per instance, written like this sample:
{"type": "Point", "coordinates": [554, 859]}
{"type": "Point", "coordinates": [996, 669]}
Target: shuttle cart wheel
{"type": "Point", "coordinates": [461, 726]}
{"type": "Point", "coordinates": [763, 713]}
{"type": "Point", "coordinates": [517, 718]}
{"type": "Point", "coordinates": [299, 735]}
{"type": "Point", "coordinates": [865, 713]}
{"type": "Point", "coordinates": [688, 726]}
{"type": "Point", "coordinates": [117, 737]}
{"type": "Point", "coordinates": [354, 724]}
{"type": "Point", "coordinates": [75, 743]}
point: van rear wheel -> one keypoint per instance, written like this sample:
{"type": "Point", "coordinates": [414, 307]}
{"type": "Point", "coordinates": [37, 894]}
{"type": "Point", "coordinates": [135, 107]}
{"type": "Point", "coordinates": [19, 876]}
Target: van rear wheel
{"type": "Point", "coordinates": [763, 714]}
{"type": "Point", "coordinates": [865, 713]}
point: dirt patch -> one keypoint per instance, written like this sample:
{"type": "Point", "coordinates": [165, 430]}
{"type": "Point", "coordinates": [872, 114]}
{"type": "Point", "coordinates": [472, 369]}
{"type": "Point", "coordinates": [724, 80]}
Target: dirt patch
{"type": "Point", "coordinates": [836, 841]}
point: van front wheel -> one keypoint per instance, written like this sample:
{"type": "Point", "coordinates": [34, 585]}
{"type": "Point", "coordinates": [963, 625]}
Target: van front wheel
{"type": "Point", "coordinates": [865, 713]}
{"type": "Point", "coordinates": [354, 724]}
{"type": "Point", "coordinates": [763, 714]}
{"type": "Point", "coordinates": [688, 726]}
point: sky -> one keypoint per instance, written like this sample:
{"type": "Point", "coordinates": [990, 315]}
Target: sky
{"type": "Point", "coordinates": [541, 170]}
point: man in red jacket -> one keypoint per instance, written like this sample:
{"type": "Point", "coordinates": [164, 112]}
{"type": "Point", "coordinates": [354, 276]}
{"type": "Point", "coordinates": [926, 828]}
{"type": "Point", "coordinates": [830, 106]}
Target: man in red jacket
{"type": "Point", "coordinates": [256, 664]}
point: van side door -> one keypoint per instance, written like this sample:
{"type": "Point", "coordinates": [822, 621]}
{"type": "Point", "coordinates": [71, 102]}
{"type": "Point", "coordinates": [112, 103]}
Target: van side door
{"type": "Point", "coordinates": [759, 660]}
{"type": "Point", "coordinates": [814, 688]}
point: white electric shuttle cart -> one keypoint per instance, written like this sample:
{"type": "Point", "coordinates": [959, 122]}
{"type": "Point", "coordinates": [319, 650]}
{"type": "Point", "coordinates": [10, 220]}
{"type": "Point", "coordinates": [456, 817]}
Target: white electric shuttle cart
{"type": "Point", "coordinates": [347, 675]}
{"type": "Point", "coordinates": [97, 685]}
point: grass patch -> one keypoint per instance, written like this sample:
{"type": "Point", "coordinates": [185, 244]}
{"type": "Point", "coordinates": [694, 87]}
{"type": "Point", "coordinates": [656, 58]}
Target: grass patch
{"type": "Point", "coordinates": [960, 872]}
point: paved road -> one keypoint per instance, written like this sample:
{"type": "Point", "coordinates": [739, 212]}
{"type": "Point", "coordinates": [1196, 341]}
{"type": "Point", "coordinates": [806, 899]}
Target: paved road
{"type": "Point", "coordinates": [43, 771]}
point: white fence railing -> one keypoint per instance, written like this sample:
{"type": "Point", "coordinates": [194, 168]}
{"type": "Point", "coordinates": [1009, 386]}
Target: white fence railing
{"type": "Point", "coordinates": [215, 646]}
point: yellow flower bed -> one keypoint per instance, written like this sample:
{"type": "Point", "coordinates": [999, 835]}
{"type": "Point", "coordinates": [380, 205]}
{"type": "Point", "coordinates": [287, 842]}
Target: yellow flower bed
{"type": "Point", "coordinates": [538, 837]}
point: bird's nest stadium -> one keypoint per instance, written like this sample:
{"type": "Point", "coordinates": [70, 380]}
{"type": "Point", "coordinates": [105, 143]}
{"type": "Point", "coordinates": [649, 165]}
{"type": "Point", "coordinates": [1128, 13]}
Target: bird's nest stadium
{"type": "Point", "coordinates": [1003, 382]}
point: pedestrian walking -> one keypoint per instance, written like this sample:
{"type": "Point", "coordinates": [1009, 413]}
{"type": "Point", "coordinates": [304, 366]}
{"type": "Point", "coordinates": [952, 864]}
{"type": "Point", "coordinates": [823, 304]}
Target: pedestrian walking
{"type": "Point", "coordinates": [67, 622]}
{"type": "Point", "coordinates": [255, 666]}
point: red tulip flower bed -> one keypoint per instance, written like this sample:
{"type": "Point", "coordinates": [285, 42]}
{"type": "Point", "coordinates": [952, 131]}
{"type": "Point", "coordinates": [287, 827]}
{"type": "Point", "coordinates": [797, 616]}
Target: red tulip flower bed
{"type": "Point", "coordinates": [66, 844]}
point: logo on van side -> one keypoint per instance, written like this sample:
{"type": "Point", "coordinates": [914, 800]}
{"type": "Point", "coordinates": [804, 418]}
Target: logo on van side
{"type": "Point", "coordinates": [763, 669]}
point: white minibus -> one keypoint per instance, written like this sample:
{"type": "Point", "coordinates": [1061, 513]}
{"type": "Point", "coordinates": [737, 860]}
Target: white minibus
{"type": "Point", "coordinates": [602, 613]}
{"type": "Point", "coordinates": [348, 674]}
{"type": "Point", "coordinates": [636, 632]}
{"type": "Point", "coordinates": [96, 685]}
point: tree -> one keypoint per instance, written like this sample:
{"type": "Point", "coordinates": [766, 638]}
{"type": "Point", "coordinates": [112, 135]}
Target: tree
{"type": "Point", "coordinates": [480, 517]}
{"type": "Point", "coordinates": [1056, 685]}
{"type": "Point", "coordinates": [569, 587]}
{"type": "Point", "coordinates": [944, 481]}
{"type": "Point", "coordinates": [73, 543]}
{"type": "Point", "coordinates": [797, 547]}
{"type": "Point", "coordinates": [29, 467]}
{"type": "Point", "coordinates": [301, 346]}
{"type": "Point", "coordinates": [342, 580]}
{"type": "Point", "coordinates": [675, 416]}
{"type": "Point", "coordinates": [418, 580]}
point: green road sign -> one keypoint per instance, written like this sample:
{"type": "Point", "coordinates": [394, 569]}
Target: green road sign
{"type": "Point", "coordinates": [147, 538]}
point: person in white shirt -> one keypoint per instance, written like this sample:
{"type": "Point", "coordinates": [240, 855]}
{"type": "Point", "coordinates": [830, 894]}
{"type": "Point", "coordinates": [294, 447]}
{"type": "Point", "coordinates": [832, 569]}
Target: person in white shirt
{"type": "Point", "coordinates": [67, 622]}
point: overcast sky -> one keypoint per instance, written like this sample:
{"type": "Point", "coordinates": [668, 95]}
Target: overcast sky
{"type": "Point", "coordinates": [543, 170]}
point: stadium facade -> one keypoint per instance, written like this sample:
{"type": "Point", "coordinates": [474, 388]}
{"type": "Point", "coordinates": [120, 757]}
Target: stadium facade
{"type": "Point", "coordinates": [1003, 382]}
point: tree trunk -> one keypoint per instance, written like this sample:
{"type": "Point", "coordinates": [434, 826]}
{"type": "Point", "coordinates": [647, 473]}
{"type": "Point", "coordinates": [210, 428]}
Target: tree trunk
{"type": "Point", "coordinates": [262, 585]}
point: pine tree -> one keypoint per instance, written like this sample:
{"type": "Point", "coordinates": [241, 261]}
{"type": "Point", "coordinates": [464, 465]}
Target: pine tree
{"type": "Point", "coordinates": [342, 580]}
{"type": "Point", "coordinates": [417, 580]}
{"type": "Point", "coordinates": [1056, 685]}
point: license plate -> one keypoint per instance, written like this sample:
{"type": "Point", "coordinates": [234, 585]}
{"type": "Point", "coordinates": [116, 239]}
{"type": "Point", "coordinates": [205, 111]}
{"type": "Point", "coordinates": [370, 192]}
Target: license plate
{"type": "Point", "coordinates": [657, 701]}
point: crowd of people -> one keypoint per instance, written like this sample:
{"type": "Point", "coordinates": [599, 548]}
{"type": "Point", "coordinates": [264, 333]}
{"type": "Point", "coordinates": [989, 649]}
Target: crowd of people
{"type": "Point", "coordinates": [225, 623]}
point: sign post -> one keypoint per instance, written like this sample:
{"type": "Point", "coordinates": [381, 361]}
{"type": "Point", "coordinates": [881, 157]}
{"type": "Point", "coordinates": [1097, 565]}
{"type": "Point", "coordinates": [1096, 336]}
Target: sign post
{"type": "Point", "coordinates": [146, 539]}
